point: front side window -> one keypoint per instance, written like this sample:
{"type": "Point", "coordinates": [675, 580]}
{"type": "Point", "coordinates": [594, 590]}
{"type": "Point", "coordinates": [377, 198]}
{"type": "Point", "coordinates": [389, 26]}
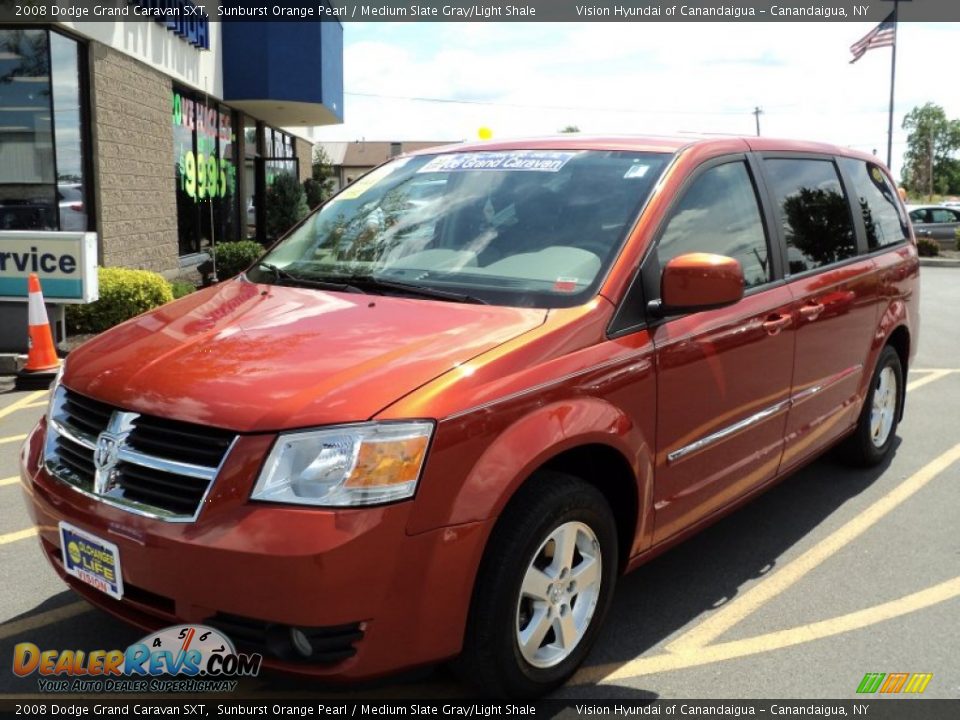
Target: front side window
{"type": "Point", "coordinates": [882, 216]}
{"type": "Point", "coordinates": [533, 228]}
{"type": "Point", "coordinates": [720, 214]}
{"type": "Point", "coordinates": [814, 212]}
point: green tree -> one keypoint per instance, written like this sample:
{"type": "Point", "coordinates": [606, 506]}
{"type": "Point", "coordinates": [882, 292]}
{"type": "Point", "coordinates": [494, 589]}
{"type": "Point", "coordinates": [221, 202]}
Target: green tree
{"type": "Point", "coordinates": [929, 165]}
{"type": "Point", "coordinates": [286, 205]}
{"type": "Point", "coordinates": [319, 186]}
{"type": "Point", "coordinates": [569, 129]}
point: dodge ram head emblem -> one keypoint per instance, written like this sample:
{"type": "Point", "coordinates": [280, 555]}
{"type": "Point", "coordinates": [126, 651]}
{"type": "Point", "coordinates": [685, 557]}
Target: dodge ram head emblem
{"type": "Point", "coordinates": [105, 459]}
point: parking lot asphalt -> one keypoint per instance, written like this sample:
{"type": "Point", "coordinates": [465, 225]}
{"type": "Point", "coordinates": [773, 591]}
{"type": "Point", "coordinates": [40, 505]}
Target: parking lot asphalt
{"type": "Point", "coordinates": [831, 574]}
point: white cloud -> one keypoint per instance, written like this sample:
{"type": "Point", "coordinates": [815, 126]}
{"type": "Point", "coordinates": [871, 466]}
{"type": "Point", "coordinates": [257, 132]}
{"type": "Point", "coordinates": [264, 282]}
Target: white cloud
{"type": "Point", "coordinates": [638, 78]}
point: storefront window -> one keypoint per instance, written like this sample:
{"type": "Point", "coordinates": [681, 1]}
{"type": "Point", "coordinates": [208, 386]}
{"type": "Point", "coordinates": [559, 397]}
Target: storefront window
{"type": "Point", "coordinates": [206, 172]}
{"type": "Point", "coordinates": [279, 144]}
{"type": "Point", "coordinates": [41, 132]}
{"type": "Point", "coordinates": [250, 152]}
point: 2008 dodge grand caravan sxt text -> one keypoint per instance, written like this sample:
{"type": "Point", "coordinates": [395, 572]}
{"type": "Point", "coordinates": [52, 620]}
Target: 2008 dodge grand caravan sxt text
{"type": "Point", "coordinates": [448, 410]}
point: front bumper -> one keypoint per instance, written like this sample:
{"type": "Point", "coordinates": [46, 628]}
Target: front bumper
{"type": "Point", "coordinates": [245, 566]}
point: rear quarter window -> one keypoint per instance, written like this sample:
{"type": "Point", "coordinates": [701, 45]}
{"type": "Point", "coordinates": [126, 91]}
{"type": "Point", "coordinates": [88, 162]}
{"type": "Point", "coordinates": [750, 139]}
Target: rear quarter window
{"type": "Point", "coordinates": [883, 217]}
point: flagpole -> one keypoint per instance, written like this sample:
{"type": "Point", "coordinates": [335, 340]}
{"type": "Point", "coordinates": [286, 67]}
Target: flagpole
{"type": "Point", "coordinates": [893, 76]}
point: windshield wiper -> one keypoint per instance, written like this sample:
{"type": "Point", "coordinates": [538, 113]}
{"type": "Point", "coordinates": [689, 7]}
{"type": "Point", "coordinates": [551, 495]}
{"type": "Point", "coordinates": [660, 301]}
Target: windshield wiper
{"type": "Point", "coordinates": [414, 289]}
{"type": "Point", "coordinates": [282, 277]}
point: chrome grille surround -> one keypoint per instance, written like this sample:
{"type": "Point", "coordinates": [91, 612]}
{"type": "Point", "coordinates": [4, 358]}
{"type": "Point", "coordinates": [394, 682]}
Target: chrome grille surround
{"type": "Point", "coordinates": [104, 466]}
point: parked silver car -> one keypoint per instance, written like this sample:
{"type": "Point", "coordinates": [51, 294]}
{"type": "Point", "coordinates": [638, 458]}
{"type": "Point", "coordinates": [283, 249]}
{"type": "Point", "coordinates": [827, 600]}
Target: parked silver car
{"type": "Point", "coordinates": [936, 222]}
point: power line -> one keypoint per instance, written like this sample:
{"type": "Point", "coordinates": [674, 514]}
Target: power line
{"type": "Point", "coordinates": [527, 106]}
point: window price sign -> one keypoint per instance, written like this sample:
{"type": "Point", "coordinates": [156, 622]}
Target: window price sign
{"type": "Point", "coordinates": [204, 138]}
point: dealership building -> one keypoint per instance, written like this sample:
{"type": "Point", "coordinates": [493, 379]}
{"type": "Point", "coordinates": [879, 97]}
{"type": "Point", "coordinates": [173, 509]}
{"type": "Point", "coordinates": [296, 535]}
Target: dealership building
{"type": "Point", "coordinates": [160, 136]}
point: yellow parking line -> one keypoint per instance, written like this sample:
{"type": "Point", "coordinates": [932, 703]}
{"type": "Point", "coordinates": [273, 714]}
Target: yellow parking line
{"type": "Point", "coordinates": [9, 481]}
{"type": "Point", "coordinates": [12, 438]}
{"type": "Point", "coordinates": [22, 403]}
{"type": "Point", "coordinates": [42, 403]}
{"type": "Point", "coordinates": [19, 535]}
{"type": "Point", "coordinates": [931, 376]}
{"type": "Point", "coordinates": [692, 657]}
{"type": "Point", "coordinates": [764, 591]}
{"type": "Point", "coordinates": [40, 620]}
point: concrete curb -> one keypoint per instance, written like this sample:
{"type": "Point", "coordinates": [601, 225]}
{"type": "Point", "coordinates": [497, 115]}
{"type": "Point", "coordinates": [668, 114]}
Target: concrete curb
{"type": "Point", "coordinates": [9, 364]}
{"type": "Point", "coordinates": [939, 262]}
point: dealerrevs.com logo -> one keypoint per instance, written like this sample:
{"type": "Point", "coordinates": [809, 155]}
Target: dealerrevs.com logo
{"type": "Point", "coordinates": [182, 658]}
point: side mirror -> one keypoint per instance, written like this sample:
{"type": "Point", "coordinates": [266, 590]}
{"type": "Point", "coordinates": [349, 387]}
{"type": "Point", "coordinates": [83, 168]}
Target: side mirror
{"type": "Point", "coordinates": [698, 281]}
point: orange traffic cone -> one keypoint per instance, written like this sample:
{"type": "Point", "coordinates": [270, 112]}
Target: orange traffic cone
{"type": "Point", "coordinates": [42, 361]}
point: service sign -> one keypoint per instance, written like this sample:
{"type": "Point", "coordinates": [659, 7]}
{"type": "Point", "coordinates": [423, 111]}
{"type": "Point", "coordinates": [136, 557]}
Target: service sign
{"type": "Point", "coordinates": [66, 263]}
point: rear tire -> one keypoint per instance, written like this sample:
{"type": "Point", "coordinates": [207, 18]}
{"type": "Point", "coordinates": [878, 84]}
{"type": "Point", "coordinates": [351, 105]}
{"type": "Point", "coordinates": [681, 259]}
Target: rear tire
{"type": "Point", "coordinates": [543, 588]}
{"type": "Point", "coordinates": [872, 439]}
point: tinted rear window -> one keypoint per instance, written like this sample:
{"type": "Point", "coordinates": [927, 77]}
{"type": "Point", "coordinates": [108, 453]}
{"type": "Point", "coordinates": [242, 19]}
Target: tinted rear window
{"type": "Point", "coordinates": [814, 212]}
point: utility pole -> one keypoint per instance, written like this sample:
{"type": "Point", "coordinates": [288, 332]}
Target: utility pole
{"type": "Point", "coordinates": [757, 112]}
{"type": "Point", "coordinates": [930, 167]}
{"type": "Point", "coordinates": [893, 78]}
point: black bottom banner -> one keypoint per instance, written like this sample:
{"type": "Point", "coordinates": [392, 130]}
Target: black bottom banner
{"type": "Point", "coordinates": [872, 708]}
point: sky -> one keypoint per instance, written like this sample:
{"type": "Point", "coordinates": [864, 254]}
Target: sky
{"type": "Point", "coordinates": [532, 79]}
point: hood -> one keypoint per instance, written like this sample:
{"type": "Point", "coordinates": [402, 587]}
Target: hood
{"type": "Point", "coordinates": [251, 357]}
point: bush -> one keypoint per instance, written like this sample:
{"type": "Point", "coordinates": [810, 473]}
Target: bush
{"type": "Point", "coordinates": [286, 205]}
{"type": "Point", "coordinates": [956, 235]}
{"type": "Point", "coordinates": [180, 288]}
{"type": "Point", "coordinates": [124, 293]}
{"type": "Point", "coordinates": [927, 247]}
{"type": "Point", "coordinates": [235, 257]}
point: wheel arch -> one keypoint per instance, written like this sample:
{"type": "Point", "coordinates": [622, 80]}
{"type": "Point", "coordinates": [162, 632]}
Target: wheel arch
{"type": "Point", "coordinates": [609, 471]}
{"type": "Point", "coordinates": [899, 340]}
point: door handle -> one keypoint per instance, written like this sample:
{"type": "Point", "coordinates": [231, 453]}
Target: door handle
{"type": "Point", "coordinates": [775, 323]}
{"type": "Point", "coordinates": [811, 311]}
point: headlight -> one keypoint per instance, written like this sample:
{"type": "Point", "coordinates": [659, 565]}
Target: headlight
{"type": "Point", "coordinates": [350, 465]}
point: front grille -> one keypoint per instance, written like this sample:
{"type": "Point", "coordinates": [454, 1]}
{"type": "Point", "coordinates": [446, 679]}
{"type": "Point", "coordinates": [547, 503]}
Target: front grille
{"type": "Point", "coordinates": [178, 441]}
{"type": "Point", "coordinates": [85, 415]}
{"type": "Point", "coordinates": [329, 644]}
{"type": "Point", "coordinates": [155, 487]}
{"type": "Point", "coordinates": [76, 463]}
{"type": "Point", "coordinates": [150, 465]}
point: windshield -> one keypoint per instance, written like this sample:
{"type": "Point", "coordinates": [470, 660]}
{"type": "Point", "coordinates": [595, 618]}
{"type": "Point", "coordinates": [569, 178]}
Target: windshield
{"type": "Point", "coordinates": [523, 228]}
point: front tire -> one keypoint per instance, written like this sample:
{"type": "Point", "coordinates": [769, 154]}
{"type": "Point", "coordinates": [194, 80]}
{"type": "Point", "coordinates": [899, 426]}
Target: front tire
{"type": "Point", "coordinates": [873, 437]}
{"type": "Point", "coordinates": [543, 588]}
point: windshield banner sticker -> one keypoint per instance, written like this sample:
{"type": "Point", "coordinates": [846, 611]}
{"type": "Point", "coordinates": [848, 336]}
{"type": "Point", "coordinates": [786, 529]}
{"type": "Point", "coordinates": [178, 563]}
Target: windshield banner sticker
{"type": "Point", "coordinates": [528, 160]}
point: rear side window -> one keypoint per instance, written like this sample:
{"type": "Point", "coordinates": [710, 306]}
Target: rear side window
{"type": "Point", "coordinates": [813, 209]}
{"type": "Point", "coordinates": [720, 214]}
{"type": "Point", "coordinates": [882, 216]}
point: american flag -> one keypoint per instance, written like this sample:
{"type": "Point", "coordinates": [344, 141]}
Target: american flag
{"type": "Point", "coordinates": [883, 35]}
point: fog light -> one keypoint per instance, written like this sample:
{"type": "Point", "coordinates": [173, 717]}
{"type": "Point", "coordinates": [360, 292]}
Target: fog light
{"type": "Point", "coordinates": [300, 642]}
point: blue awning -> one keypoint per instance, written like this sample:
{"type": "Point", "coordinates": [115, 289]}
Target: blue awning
{"type": "Point", "coordinates": [284, 73]}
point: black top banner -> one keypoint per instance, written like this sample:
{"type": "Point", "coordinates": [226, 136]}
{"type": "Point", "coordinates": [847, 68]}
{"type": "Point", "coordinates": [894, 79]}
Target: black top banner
{"type": "Point", "coordinates": [33, 11]}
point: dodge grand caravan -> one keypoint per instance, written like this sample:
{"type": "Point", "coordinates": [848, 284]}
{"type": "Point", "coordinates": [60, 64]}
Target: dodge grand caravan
{"type": "Point", "coordinates": [443, 415]}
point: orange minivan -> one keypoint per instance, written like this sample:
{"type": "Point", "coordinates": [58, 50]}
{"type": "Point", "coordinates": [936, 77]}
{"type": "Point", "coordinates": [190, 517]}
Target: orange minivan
{"type": "Point", "coordinates": [446, 412]}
